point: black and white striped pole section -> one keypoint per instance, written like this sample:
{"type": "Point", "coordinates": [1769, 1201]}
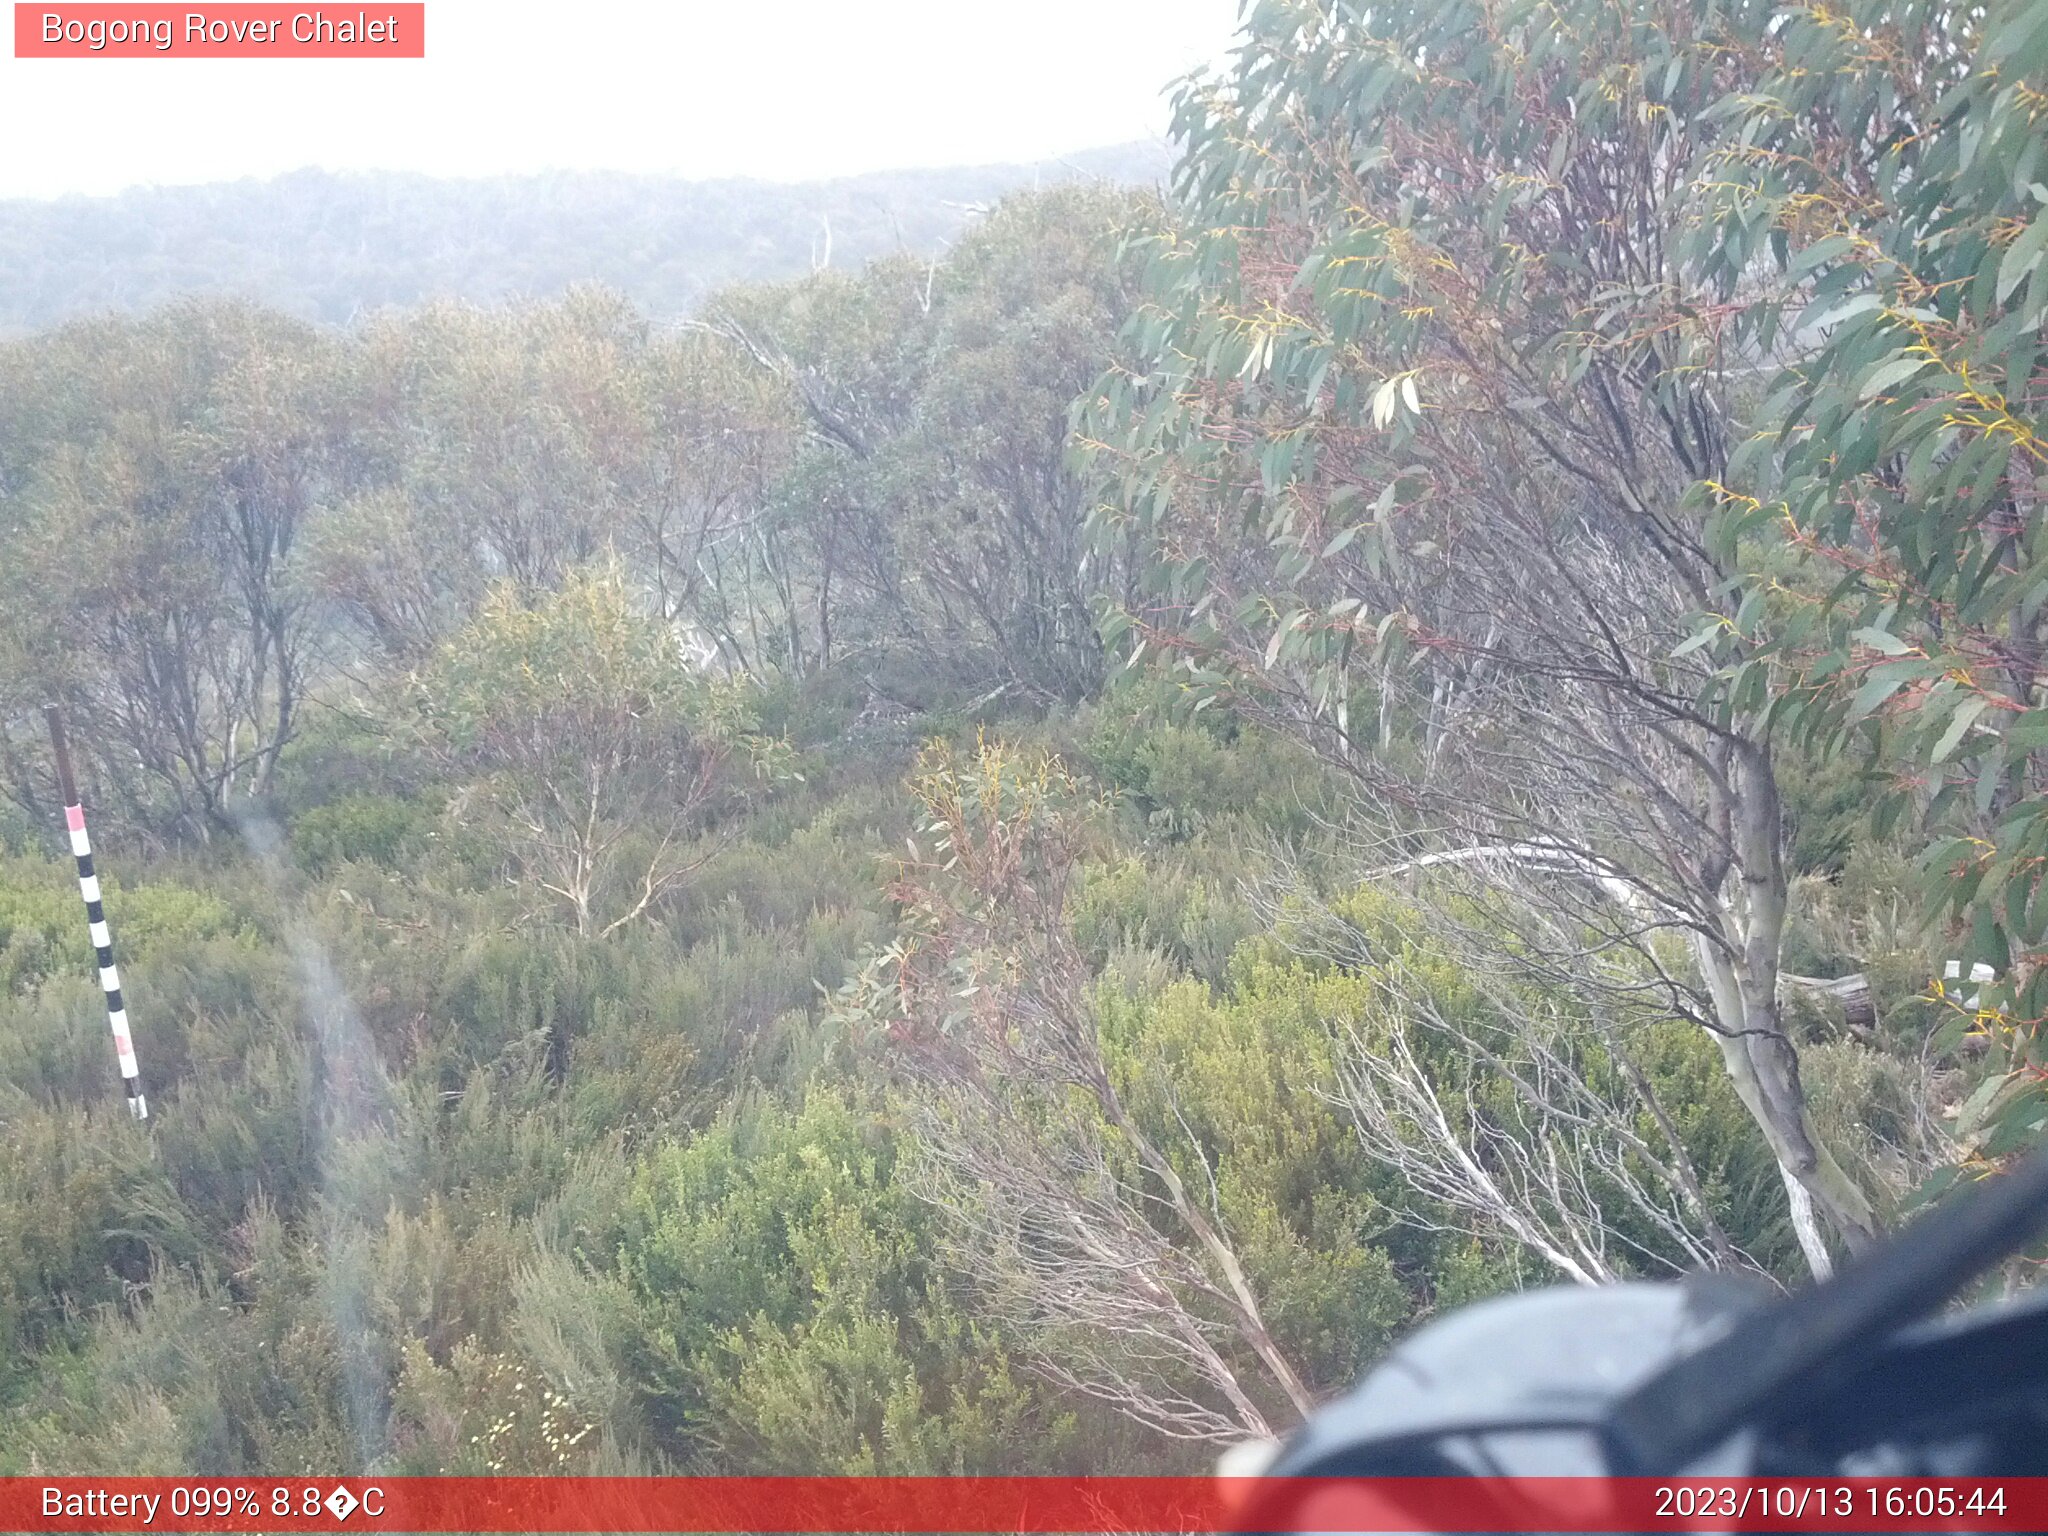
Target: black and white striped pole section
{"type": "Point", "coordinates": [96, 919]}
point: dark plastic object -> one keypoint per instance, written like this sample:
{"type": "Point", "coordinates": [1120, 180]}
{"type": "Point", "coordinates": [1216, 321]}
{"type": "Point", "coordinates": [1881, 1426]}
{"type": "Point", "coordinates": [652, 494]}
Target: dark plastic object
{"type": "Point", "coordinates": [1709, 1376]}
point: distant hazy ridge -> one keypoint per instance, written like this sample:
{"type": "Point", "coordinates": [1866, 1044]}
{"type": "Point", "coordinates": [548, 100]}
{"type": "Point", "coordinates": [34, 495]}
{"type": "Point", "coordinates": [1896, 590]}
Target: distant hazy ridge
{"type": "Point", "coordinates": [328, 246]}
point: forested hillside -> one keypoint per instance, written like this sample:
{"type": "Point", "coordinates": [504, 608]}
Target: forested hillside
{"type": "Point", "coordinates": [1016, 863]}
{"type": "Point", "coordinates": [331, 247]}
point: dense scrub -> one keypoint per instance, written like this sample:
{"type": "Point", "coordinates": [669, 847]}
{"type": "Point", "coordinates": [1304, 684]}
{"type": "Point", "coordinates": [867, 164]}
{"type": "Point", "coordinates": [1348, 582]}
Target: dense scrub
{"type": "Point", "coordinates": [435, 1183]}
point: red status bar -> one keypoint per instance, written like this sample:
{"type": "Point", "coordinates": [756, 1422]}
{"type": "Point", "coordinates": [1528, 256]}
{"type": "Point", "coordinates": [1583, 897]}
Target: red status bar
{"type": "Point", "coordinates": [1019, 1504]}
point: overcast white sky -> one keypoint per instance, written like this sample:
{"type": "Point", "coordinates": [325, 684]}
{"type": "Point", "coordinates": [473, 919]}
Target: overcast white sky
{"type": "Point", "coordinates": [790, 91]}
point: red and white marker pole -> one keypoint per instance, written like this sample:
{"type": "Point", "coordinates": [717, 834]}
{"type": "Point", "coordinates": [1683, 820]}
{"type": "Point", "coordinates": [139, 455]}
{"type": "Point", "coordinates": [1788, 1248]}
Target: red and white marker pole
{"type": "Point", "coordinates": [96, 919]}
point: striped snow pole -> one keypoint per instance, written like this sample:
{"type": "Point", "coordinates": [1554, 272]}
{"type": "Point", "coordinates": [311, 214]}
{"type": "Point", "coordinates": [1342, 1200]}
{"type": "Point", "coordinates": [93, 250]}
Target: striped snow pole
{"type": "Point", "coordinates": [96, 919]}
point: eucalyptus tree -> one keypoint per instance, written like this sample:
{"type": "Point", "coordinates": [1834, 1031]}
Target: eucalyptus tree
{"type": "Point", "coordinates": [702, 527]}
{"type": "Point", "coordinates": [162, 479]}
{"type": "Point", "coordinates": [498, 446]}
{"type": "Point", "coordinates": [1889, 169]}
{"type": "Point", "coordinates": [847, 351]}
{"type": "Point", "coordinates": [598, 755]}
{"type": "Point", "coordinates": [1078, 1225]}
{"type": "Point", "coordinates": [928, 528]}
{"type": "Point", "coordinates": [1407, 440]}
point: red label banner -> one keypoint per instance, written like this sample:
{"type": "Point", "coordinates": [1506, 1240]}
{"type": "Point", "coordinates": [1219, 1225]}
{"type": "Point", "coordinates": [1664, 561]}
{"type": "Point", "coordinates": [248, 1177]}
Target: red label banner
{"type": "Point", "coordinates": [229, 31]}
